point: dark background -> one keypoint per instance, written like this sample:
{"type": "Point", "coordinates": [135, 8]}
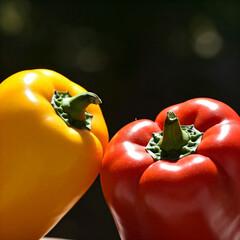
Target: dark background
{"type": "Point", "coordinates": [138, 56]}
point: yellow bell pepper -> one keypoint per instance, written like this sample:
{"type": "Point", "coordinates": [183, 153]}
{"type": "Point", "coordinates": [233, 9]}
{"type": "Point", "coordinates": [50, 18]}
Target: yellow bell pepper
{"type": "Point", "coordinates": [50, 153]}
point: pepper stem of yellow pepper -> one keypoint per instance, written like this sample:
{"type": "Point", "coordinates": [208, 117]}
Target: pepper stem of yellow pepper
{"type": "Point", "coordinates": [174, 138]}
{"type": "Point", "coordinates": [72, 109]}
{"type": "Point", "coordinates": [75, 106]}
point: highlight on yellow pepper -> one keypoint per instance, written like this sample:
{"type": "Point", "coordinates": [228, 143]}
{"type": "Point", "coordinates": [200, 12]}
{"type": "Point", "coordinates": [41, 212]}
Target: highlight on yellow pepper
{"type": "Point", "coordinates": [52, 139]}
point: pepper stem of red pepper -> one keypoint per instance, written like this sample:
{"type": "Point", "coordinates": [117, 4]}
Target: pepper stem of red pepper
{"type": "Point", "coordinates": [174, 138]}
{"type": "Point", "coordinates": [73, 109]}
{"type": "Point", "coordinates": [175, 141]}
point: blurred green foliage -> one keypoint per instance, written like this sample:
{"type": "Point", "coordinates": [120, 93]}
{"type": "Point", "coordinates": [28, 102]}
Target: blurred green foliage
{"type": "Point", "coordinates": [138, 56]}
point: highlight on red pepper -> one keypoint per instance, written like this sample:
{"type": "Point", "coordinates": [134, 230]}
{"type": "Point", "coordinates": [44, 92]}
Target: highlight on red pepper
{"type": "Point", "coordinates": [52, 139]}
{"type": "Point", "coordinates": [177, 177]}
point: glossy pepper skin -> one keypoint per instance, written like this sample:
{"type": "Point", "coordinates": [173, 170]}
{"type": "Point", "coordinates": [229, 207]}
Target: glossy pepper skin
{"type": "Point", "coordinates": [45, 165]}
{"type": "Point", "coordinates": [194, 197]}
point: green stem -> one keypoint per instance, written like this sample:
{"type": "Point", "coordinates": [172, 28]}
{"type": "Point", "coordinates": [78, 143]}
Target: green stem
{"type": "Point", "coordinates": [174, 138]}
{"type": "Point", "coordinates": [73, 109]}
{"type": "Point", "coordinates": [175, 141]}
{"type": "Point", "coordinates": [75, 106]}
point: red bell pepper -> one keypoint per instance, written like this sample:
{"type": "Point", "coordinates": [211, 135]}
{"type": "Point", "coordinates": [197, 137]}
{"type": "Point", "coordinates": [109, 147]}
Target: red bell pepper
{"type": "Point", "coordinates": [162, 180]}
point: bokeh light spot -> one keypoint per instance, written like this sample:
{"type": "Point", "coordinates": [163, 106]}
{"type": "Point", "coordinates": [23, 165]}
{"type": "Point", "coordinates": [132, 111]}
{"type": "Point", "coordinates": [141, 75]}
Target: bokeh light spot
{"type": "Point", "coordinates": [207, 41]}
{"type": "Point", "coordinates": [13, 16]}
{"type": "Point", "coordinates": [208, 44]}
{"type": "Point", "coordinates": [91, 59]}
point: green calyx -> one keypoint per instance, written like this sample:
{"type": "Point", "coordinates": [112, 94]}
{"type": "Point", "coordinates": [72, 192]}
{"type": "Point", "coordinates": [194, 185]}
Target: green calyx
{"type": "Point", "coordinates": [175, 141]}
{"type": "Point", "coordinates": [72, 109]}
